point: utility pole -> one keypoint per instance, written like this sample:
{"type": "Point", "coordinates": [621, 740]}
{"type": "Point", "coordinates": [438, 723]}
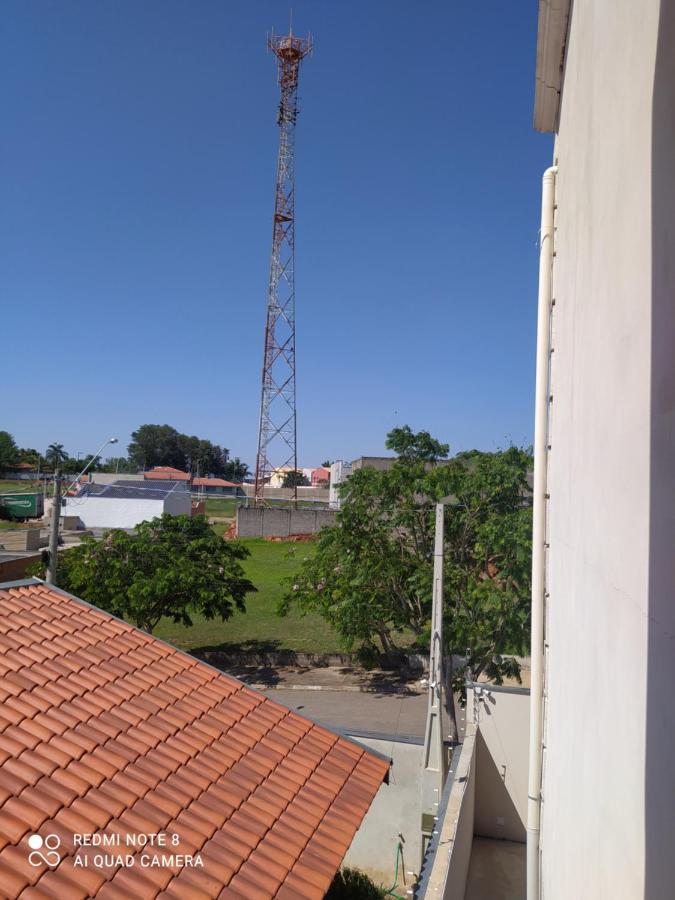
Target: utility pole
{"type": "Point", "coordinates": [54, 533]}
{"type": "Point", "coordinates": [277, 430]}
{"type": "Point", "coordinates": [434, 768]}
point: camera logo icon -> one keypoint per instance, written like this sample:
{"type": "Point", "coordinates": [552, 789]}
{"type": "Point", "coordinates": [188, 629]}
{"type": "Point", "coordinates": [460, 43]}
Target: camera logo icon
{"type": "Point", "coordinates": [44, 850]}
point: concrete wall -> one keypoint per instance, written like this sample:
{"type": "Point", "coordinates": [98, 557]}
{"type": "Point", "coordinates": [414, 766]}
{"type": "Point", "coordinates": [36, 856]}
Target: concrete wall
{"type": "Point", "coordinates": [502, 716]}
{"type": "Point", "coordinates": [609, 778]}
{"type": "Point", "coordinates": [22, 539]}
{"type": "Point", "coordinates": [111, 477]}
{"type": "Point", "coordinates": [277, 521]}
{"type": "Point", "coordinates": [304, 493]}
{"type": "Point", "coordinates": [450, 865]}
{"type": "Point", "coordinates": [14, 567]}
{"type": "Point", "coordinates": [395, 813]}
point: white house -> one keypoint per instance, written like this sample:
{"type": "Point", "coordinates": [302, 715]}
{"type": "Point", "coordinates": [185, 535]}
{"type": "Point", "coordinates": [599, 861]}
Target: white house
{"type": "Point", "coordinates": [126, 503]}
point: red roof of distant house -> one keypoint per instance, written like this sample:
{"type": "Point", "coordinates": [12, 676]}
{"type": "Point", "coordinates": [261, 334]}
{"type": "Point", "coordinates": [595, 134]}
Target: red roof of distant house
{"type": "Point", "coordinates": [166, 472]}
{"type": "Point", "coordinates": [320, 474]}
{"type": "Point", "coordinates": [213, 482]}
{"type": "Point", "coordinates": [107, 730]}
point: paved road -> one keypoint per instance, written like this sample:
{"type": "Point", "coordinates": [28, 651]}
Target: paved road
{"type": "Point", "coordinates": [401, 715]}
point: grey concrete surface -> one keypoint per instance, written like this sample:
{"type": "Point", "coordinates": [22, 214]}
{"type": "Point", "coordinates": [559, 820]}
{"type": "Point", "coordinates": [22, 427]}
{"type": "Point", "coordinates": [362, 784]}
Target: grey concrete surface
{"type": "Point", "coordinates": [394, 816]}
{"type": "Point", "coordinates": [496, 870]}
{"type": "Point", "coordinates": [398, 716]}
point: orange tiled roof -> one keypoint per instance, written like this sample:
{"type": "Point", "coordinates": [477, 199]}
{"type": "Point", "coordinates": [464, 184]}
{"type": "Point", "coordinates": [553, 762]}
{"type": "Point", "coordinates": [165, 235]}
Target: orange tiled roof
{"type": "Point", "coordinates": [106, 730]}
{"type": "Point", "coordinates": [167, 472]}
{"type": "Point", "coordinates": [213, 482]}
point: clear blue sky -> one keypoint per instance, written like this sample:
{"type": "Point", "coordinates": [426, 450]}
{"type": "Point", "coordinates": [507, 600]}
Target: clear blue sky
{"type": "Point", "coordinates": [136, 183]}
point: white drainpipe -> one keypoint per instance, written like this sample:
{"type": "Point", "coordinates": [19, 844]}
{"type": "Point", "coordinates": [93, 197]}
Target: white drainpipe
{"type": "Point", "coordinates": [539, 530]}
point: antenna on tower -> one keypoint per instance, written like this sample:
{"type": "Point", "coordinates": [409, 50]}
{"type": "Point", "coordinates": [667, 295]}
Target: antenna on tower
{"type": "Point", "coordinates": [277, 430]}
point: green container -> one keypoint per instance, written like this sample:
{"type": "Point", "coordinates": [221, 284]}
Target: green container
{"type": "Point", "coordinates": [21, 506]}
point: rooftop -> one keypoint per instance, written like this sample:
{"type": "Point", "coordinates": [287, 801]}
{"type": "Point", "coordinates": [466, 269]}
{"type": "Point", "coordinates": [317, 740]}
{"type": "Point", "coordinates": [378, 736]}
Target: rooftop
{"type": "Point", "coordinates": [107, 730]}
{"type": "Point", "coordinates": [213, 482]}
{"type": "Point", "coordinates": [161, 472]}
{"type": "Point", "coordinates": [128, 490]}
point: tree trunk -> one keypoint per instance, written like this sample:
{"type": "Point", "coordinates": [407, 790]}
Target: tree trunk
{"type": "Point", "coordinates": [391, 652]}
{"type": "Point", "coordinates": [453, 731]}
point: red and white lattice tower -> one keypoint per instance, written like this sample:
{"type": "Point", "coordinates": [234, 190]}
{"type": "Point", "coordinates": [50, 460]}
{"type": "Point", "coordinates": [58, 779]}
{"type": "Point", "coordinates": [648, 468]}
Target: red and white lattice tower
{"type": "Point", "coordinates": [277, 433]}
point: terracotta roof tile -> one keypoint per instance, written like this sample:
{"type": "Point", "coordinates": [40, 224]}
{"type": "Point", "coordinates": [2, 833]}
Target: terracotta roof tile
{"type": "Point", "coordinates": [105, 730]}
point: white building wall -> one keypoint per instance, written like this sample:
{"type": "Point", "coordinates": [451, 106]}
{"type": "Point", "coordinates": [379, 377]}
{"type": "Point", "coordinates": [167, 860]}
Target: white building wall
{"type": "Point", "coordinates": [339, 472]}
{"type": "Point", "coordinates": [178, 503]}
{"type": "Point", "coordinates": [609, 775]}
{"type": "Point", "coordinates": [99, 512]}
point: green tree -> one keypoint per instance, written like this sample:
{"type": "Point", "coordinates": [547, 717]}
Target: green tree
{"type": "Point", "coordinates": [417, 447]}
{"type": "Point", "coordinates": [56, 455]}
{"type": "Point", "coordinates": [8, 450]}
{"type": "Point", "coordinates": [235, 470]}
{"type": "Point", "coordinates": [172, 566]}
{"type": "Point", "coordinates": [117, 464]}
{"type": "Point", "coordinates": [155, 445]}
{"type": "Point", "coordinates": [371, 576]}
{"type": "Point", "coordinates": [28, 455]}
{"type": "Point", "coordinates": [295, 479]}
{"type": "Point", "coordinates": [163, 445]}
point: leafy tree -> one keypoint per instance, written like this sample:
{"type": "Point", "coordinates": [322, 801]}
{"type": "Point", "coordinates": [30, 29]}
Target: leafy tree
{"type": "Point", "coordinates": [73, 465]}
{"type": "Point", "coordinates": [326, 464]}
{"type": "Point", "coordinates": [55, 454]}
{"type": "Point", "coordinates": [371, 576]}
{"type": "Point", "coordinates": [28, 455]}
{"type": "Point", "coordinates": [235, 470]}
{"type": "Point", "coordinates": [295, 479]}
{"type": "Point", "coordinates": [172, 566]}
{"type": "Point", "coordinates": [117, 464]}
{"type": "Point", "coordinates": [163, 445]}
{"type": "Point", "coordinates": [416, 447]}
{"type": "Point", "coordinates": [155, 445]}
{"type": "Point", "coordinates": [8, 450]}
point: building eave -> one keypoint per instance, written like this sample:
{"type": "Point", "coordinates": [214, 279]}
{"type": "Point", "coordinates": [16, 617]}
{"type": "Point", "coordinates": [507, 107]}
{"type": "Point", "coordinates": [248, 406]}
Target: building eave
{"type": "Point", "coordinates": [551, 45]}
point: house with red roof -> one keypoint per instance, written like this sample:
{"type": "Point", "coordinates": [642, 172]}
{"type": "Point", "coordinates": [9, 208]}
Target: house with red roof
{"type": "Point", "coordinates": [166, 473]}
{"type": "Point", "coordinates": [216, 487]}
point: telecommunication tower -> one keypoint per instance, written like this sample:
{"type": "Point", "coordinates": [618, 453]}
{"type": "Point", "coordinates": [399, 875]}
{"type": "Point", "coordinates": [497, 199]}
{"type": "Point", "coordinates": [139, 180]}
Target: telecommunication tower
{"type": "Point", "coordinates": [277, 432]}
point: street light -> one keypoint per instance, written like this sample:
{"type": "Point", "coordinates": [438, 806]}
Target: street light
{"type": "Point", "coordinates": [56, 512]}
{"type": "Point", "coordinates": [92, 461]}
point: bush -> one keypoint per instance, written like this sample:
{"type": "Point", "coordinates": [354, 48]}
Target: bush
{"type": "Point", "coordinates": [351, 884]}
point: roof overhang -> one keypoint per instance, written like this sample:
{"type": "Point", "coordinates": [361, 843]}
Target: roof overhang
{"type": "Point", "coordinates": [551, 45]}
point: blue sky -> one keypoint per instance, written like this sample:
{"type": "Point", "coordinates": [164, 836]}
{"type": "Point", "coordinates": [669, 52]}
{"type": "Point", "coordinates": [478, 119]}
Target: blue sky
{"type": "Point", "coordinates": [137, 173]}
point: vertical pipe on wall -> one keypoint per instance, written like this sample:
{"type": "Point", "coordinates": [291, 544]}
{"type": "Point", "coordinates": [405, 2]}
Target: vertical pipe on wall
{"type": "Point", "coordinates": [542, 389]}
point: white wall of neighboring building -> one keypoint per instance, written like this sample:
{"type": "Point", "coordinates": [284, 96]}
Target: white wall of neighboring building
{"type": "Point", "coordinates": [608, 812]}
{"type": "Point", "coordinates": [339, 472]}
{"type": "Point", "coordinates": [105, 512]}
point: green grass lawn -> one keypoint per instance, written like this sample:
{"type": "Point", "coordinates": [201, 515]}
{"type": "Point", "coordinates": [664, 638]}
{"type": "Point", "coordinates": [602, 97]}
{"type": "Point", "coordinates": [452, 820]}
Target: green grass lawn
{"type": "Point", "coordinates": [224, 506]}
{"type": "Point", "coordinates": [14, 487]}
{"type": "Point", "coordinates": [259, 628]}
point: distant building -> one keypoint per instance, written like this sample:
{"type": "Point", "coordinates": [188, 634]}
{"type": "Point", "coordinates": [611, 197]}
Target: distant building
{"type": "Point", "coordinates": [320, 477]}
{"type": "Point", "coordinates": [126, 503]}
{"type": "Point", "coordinates": [216, 487]}
{"type": "Point", "coordinates": [166, 473]}
{"type": "Point", "coordinates": [278, 475]}
{"type": "Point", "coordinates": [22, 472]}
{"type": "Point", "coordinates": [339, 472]}
{"type": "Point", "coordinates": [381, 463]}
